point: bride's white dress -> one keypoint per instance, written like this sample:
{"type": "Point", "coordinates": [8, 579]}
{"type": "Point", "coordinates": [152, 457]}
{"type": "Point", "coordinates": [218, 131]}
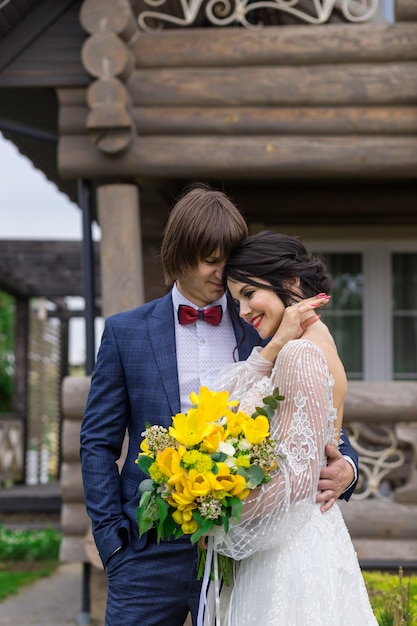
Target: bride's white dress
{"type": "Point", "coordinates": [297, 566]}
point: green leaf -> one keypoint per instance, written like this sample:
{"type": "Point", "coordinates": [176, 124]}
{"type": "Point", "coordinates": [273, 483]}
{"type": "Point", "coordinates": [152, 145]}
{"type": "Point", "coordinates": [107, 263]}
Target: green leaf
{"type": "Point", "coordinates": [203, 530]}
{"type": "Point", "coordinates": [270, 401]}
{"type": "Point", "coordinates": [199, 519]}
{"type": "Point", "coordinates": [241, 471]}
{"type": "Point", "coordinates": [143, 503]}
{"type": "Point", "coordinates": [277, 395]}
{"type": "Point", "coordinates": [219, 457]}
{"type": "Point", "coordinates": [202, 556]}
{"type": "Point", "coordinates": [146, 485]}
{"type": "Point", "coordinates": [259, 411]}
{"type": "Point", "coordinates": [256, 476]}
{"type": "Point", "coordinates": [145, 462]}
{"type": "Point", "coordinates": [270, 412]}
{"type": "Point", "coordinates": [145, 524]}
{"type": "Point", "coordinates": [237, 507]}
{"type": "Point", "coordinates": [162, 508]}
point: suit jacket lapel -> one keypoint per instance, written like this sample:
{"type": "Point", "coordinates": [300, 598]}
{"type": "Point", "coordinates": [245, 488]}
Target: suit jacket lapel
{"type": "Point", "coordinates": [162, 337]}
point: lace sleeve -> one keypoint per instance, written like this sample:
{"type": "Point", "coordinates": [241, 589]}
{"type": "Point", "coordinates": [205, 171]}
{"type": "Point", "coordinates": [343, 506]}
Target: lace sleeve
{"type": "Point", "coordinates": [240, 379]}
{"type": "Point", "coordinates": [302, 425]}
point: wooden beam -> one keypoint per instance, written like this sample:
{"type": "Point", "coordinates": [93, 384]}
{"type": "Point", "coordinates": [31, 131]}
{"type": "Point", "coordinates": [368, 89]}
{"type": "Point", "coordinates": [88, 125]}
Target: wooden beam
{"type": "Point", "coordinates": [405, 10]}
{"type": "Point", "coordinates": [305, 120]}
{"type": "Point", "coordinates": [261, 157]}
{"type": "Point", "coordinates": [114, 16]}
{"type": "Point", "coordinates": [274, 46]}
{"type": "Point", "coordinates": [319, 85]}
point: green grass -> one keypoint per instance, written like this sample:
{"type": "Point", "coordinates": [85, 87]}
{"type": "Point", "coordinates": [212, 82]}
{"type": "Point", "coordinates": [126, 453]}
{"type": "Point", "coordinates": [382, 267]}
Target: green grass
{"type": "Point", "coordinates": [11, 580]}
{"type": "Point", "coordinates": [26, 556]}
{"type": "Point", "coordinates": [393, 597]}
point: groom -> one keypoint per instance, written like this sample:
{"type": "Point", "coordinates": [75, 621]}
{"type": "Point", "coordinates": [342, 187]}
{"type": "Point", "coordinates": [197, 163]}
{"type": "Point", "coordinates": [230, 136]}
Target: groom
{"type": "Point", "coordinates": [149, 361]}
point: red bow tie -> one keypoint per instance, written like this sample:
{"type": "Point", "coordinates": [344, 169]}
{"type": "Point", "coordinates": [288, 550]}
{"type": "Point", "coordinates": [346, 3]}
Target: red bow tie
{"type": "Point", "coordinates": [188, 315]}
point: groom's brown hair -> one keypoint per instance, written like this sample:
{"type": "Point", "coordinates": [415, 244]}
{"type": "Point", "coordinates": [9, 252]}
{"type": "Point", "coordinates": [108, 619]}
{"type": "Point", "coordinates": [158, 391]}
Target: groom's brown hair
{"type": "Point", "coordinates": [203, 222]}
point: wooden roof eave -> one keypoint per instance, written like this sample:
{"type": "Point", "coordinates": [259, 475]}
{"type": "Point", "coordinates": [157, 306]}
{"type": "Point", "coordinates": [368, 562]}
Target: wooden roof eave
{"type": "Point", "coordinates": [265, 108]}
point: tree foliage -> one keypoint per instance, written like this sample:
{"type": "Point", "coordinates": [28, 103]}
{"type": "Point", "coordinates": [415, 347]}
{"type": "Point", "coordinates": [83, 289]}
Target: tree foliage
{"type": "Point", "coordinates": [7, 358]}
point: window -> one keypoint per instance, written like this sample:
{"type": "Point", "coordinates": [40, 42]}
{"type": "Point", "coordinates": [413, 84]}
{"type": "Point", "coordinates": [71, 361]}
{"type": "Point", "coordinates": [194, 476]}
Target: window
{"type": "Point", "coordinates": [373, 311]}
{"type": "Point", "coordinates": [404, 316]}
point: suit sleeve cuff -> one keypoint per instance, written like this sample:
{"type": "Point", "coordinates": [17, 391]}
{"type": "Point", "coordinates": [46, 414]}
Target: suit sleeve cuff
{"type": "Point", "coordinates": [355, 472]}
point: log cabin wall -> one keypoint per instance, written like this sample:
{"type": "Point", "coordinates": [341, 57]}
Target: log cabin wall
{"type": "Point", "coordinates": [335, 101]}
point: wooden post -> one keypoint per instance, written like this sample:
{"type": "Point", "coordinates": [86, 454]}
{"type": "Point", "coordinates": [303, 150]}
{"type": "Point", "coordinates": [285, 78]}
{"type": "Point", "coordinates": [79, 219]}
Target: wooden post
{"type": "Point", "coordinates": [122, 280]}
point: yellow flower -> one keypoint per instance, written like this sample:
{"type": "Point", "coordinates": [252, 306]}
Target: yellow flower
{"type": "Point", "coordinates": [197, 460]}
{"type": "Point", "coordinates": [235, 423]}
{"type": "Point", "coordinates": [182, 497]}
{"type": "Point", "coordinates": [243, 461]}
{"type": "Point", "coordinates": [256, 430]}
{"type": "Point", "coordinates": [210, 444]}
{"type": "Point", "coordinates": [144, 447]}
{"type": "Point", "coordinates": [191, 428]}
{"type": "Point", "coordinates": [199, 485]}
{"type": "Point", "coordinates": [169, 461]}
{"type": "Point", "coordinates": [232, 483]}
{"type": "Point", "coordinates": [213, 404]}
{"type": "Point", "coordinates": [156, 473]}
{"type": "Point", "coordinates": [185, 520]}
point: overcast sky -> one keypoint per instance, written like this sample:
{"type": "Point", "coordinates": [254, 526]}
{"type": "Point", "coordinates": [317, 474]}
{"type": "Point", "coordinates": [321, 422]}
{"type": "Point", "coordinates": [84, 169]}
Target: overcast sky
{"type": "Point", "coordinates": [31, 207]}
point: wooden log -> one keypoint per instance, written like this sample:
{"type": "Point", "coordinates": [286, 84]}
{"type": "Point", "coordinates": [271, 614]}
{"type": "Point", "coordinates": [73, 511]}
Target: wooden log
{"type": "Point", "coordinates": [389, 519]}
{"type": "Point", "coordinates": [405, 10]}
{"type": "Point", "coordinates": [274, 46]}
{"type": "Point", "coordinates": [121, 276]}
{"type": "Point", "coordinates": [114, 16]}
{"type": "Point", "coordinates": [105, 92]}
{"type": "Point", "coordinates": [109, 121]}
{"type": "Point", "coordinates": [394, 550]}
{"type": "Point", "coordinates": [256, 120]}
{"type": "Point", "coordinates": [74, 519]}
{"type": "Point", "coordinates": [71, 440]}
{"type": "Point", "coordinates": [74, 396]}
{"type": "Point", "coordinates": [251, 158]}
{"type": "Point", "coordinates": [378, 402]}
{"type": "Point", "coordinates": [104, 55]}
{"type": "Point", "coordinates": [353, 84]}
{"type": "Point", "coordinates": [72, 548]}
{"type": "Point", "coordinates": [276, 121]}
{"type": "Point", "coordinates": [71, 481]}
{"type": "Point", "coordinates": [70, 97]}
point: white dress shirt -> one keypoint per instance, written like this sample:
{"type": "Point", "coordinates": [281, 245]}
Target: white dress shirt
{"type": "Point", "coordinates": [202, 349]}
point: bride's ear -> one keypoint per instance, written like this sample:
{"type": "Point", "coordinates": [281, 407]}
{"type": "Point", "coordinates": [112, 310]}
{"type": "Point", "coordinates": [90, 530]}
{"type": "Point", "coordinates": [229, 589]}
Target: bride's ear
{"type": "Point", "coordinates": [293, 284]}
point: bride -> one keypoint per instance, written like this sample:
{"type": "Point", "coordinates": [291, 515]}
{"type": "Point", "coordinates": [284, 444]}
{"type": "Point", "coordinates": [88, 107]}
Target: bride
{"type": "Point", "coordinates": [296, 565]}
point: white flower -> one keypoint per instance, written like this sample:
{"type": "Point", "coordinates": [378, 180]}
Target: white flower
{"type": "Point", "coordinates": [244, 445]}
{"type": "Point", "coordinates": [226, 448]}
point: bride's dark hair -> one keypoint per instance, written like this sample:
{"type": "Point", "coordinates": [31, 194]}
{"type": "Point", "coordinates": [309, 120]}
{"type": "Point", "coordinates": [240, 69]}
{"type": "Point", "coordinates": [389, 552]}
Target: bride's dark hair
{"type": "Point", "coordinates": [278, 259]}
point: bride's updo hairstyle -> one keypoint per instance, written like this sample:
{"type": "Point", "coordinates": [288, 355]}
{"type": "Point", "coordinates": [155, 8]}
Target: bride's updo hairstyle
{"type": "Point", "coordinates": [278, 259]}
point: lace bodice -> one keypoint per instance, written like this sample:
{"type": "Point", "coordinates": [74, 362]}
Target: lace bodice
{"type": "Point", "coordinates": [302, 425]}
{"type": "Point", "coordinates": [298, 566]}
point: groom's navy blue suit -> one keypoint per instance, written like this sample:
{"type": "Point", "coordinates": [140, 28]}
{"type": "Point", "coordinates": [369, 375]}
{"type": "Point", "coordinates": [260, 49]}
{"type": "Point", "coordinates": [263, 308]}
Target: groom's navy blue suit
{"type": "Point", "coordinates": [135, 382]}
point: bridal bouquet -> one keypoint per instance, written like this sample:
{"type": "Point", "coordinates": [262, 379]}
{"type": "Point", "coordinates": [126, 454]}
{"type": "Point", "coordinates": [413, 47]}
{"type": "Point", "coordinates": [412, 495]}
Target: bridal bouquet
{"type": "Point", "coordinates": [203, 466]}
